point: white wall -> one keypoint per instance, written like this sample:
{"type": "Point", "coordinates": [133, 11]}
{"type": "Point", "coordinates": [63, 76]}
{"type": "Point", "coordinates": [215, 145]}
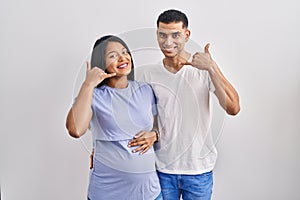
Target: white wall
{"type": "Point", "coordinates": [43, 46]}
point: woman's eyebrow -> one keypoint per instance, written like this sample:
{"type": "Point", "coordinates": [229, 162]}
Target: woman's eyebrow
{"type": "Point", "coordinates": [113, 51]}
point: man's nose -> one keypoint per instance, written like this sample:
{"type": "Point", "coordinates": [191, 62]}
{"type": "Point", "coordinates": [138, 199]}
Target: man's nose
{"type": "Point", "coordinates": [169, 41]}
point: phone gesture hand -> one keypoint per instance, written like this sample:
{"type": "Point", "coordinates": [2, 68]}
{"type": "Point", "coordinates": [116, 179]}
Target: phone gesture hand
{"type": "Point", "coordinates": [96, 75]}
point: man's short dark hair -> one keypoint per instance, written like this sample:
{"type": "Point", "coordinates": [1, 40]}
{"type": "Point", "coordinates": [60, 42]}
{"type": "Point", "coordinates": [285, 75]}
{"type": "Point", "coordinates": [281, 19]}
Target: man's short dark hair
{"type": "Point", "coordinates": [172, 15]}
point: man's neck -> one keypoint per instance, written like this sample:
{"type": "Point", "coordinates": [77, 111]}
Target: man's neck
{"type": "Point", "coordinates": [176, 63]}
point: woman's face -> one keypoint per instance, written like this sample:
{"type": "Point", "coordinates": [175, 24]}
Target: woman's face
{"type": "Point", "coordinates": [118, 59]}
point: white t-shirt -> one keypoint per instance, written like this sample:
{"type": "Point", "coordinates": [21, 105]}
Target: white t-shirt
{"type": "Point", "coordinates": [184, 117]}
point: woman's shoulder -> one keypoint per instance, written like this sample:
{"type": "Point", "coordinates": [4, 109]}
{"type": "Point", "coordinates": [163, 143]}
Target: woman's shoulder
{"type": "Point", "coordinates": [100, 89]}
{"type": "Point", "coordinates": [102, 92]}
{"type": "Point", "coordinates": [142, 86]}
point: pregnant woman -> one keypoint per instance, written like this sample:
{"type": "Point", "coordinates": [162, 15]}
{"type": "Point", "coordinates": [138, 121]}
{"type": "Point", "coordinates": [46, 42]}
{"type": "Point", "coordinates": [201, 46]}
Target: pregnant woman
{"type": "Point", "coordinates": [117, 109]}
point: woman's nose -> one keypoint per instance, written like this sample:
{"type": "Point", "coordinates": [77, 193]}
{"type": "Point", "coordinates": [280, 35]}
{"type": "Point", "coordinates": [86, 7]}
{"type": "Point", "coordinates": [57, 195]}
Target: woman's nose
{"type": "Point", "coordinates": [121, 57]}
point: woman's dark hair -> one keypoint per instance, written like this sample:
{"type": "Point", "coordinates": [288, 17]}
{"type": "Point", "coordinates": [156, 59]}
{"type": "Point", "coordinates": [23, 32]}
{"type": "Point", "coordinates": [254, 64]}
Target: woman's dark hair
{"type": "Point", "coordinates": [98, 55]}
{"type": "Point", "coordinates": [172, 15]}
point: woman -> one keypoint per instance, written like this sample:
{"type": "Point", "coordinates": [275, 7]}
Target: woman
{"type": "Point", "coordinates": [117, 109]}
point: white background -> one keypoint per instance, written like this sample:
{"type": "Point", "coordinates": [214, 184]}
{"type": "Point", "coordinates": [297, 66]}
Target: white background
{"type": "Point", "coordinates": [44, 43]}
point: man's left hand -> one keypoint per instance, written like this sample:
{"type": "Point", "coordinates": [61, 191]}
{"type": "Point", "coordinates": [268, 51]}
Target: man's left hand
{"type": "Point", "coordinates": [202, 60]}
{"type": "Point", "coordinates": [144, 140]}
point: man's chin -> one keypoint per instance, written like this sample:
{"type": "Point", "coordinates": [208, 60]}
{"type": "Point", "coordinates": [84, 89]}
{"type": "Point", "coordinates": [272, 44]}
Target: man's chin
{"type": "Point", "coordinates": [169, 54]}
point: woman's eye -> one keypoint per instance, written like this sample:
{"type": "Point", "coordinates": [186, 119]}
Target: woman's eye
{"type": "Point", "coordinates": [125, 52]}
{"type": "Point", "coordinates": [113, 55]}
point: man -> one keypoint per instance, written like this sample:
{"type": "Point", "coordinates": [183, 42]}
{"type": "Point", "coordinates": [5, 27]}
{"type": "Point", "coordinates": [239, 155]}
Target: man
{"type": "Point", "coordinates": [182, 83]}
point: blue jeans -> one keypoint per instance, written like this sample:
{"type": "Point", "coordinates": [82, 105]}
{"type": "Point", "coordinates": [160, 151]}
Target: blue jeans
{"type": "Point", "coordinates": [159, 197]}
{"type": "Point", "coordinates": [191, 187]}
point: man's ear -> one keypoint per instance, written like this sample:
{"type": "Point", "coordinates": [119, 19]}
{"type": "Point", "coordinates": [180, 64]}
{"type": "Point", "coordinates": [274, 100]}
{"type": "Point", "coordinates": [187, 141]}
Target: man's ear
{"type": "Point", "coordinates": [187, 35]}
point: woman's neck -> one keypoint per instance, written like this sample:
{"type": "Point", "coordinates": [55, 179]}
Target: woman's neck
{"type": "Point", "coordinates": [118, 82]}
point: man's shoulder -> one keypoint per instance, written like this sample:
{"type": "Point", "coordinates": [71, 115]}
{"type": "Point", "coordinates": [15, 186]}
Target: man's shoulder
{"type": "Point", "coordinates": [194, 72]}
{"type": "Point", "coordinates": [150, 67]}
{"type": "Point", "coordinates": [144, 72]}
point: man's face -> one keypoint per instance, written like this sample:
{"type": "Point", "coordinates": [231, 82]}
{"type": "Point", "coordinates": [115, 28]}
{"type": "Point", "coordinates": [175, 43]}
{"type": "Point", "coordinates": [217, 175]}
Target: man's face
{"type": "Point", "coordinates": [172, 38]}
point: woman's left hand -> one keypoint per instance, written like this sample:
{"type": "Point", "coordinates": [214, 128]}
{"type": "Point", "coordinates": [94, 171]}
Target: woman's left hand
{"type": "Point", "coordinates": [144, 140]}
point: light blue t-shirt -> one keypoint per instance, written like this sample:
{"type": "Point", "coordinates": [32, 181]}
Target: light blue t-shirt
{"type": "Point", "coordinates": [118, 115]}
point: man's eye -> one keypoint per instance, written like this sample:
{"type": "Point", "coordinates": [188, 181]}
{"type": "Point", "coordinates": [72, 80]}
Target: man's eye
{"type": "Point", "coordinates": [162, 35]}
{"type": "Point", "coordinates": [176, 35]}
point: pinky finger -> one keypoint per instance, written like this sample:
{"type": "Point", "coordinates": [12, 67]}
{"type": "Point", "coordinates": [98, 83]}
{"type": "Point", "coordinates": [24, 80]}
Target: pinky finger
{"type": "Point", "coordinates": [111, 75]}
{"type": "Point", "coordinates": [145, 150]}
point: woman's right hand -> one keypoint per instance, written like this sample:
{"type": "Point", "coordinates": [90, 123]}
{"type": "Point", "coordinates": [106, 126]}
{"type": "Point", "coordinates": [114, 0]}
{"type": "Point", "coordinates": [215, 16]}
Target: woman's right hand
{"type": "Point", "coordinates": [96, 75]}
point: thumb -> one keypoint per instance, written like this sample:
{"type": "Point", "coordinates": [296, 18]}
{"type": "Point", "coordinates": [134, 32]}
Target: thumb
{"type": "Point", "coordinates": [110, 75]}
{"type": "Point", "coordinates": [188, 63]}
{"type": "Point", "coordinates": [206, 48]}
{"type": "Point", "coordinates": [88, 66]}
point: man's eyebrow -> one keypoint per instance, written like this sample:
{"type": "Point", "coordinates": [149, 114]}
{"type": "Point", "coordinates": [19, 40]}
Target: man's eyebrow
{"type": "Point", "coordinates": [168, 32]}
